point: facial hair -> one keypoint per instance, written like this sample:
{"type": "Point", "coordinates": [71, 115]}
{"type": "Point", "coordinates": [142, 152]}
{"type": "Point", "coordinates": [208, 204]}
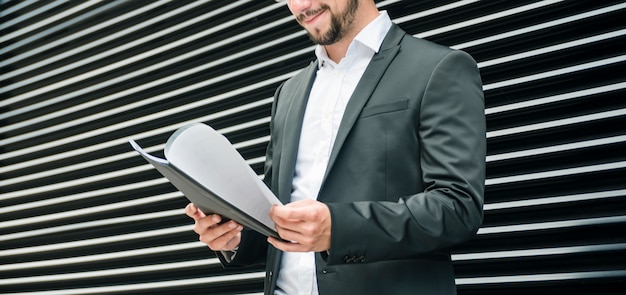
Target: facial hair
{"type": "Point", "coordinates": [340, 24]}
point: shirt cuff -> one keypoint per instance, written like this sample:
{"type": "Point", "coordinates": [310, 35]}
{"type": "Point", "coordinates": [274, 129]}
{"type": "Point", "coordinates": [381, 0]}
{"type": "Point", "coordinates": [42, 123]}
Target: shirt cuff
{"type": "Point", "coordinates": [229, 255]}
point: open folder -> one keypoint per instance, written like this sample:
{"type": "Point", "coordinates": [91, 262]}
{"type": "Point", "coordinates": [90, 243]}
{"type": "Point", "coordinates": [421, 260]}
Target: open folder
{"type": "Point", "coordinates": [203, 165]}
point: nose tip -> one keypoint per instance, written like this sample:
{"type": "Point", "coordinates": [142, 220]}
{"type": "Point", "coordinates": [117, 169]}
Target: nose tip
{"type": "Point", "coordinates": [298, 5]}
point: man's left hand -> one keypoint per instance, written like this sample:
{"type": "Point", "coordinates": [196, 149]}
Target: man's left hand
{"type": "Point", "coordinates": [305, 223]}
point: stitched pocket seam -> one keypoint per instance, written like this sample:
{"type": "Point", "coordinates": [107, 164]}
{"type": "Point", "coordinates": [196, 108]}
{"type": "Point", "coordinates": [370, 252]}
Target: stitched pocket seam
{"type": "Point", "coordinates": [385, 108]}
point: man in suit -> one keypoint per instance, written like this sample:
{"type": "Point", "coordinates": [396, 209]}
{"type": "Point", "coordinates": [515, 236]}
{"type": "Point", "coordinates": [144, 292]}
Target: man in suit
{"type": "Point", "coordinates": [378, 151]}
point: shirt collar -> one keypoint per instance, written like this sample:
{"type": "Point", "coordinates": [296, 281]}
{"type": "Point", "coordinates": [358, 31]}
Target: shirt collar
{"type": "Point", "coordinates": [371, 37]}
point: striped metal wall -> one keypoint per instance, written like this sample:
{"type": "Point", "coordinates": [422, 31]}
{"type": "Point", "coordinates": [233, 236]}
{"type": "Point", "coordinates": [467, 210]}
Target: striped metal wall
{"type": "Point", "coordinates": [81, 213]}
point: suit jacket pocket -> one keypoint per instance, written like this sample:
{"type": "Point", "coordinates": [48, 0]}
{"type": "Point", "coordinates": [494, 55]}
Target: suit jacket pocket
{"type": "Point", "coordinates": [385, 108]}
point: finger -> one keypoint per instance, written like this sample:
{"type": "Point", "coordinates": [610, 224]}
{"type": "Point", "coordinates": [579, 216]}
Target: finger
{"type": "Point", "coordinates": [283, 214]}
{"type": "Point", "coordinates": [290, 229]}
{"type": "Point", "coordinates": [223, 237]}
{"type": "Point", "coordinates": [230, 245]}
{"type": "Point", "coordinates": [293, 213]}
{"type": "Point", "coordinates": [279, 216]}
{"type": "Point", "coordinates": [287, 234]}
{"type": "Point", "coordinates": [304, 234]}
{"type": "Point", "coordinates": [233, 242]}
{"type": "Point", "coordinates": [192, 211]}
{"type": "Point", "coordinates": [307, 223]}
{"type": "Point", "coordinates": [206, 222]}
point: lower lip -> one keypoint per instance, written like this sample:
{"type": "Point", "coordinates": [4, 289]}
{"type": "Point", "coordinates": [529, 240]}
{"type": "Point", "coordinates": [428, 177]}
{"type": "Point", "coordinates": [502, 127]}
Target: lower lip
{"type": "Point", "coordinates": [315, 18]}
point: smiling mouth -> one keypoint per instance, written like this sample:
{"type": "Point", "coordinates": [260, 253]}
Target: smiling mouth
{"type": "Point", "coordinates": [311, 15]}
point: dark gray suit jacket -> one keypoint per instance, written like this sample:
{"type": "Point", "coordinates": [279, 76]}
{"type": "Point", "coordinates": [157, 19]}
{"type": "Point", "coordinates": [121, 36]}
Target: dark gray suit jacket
{"type": "Point", "coordinates": [405, 179]}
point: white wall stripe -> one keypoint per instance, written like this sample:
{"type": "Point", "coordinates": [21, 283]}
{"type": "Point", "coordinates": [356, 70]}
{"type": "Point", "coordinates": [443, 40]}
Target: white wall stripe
{"type": "Point", "coordinates": [433, 11]}
{"type": "Point", "coordinates": [150, 286]}
{"type": "Point", "coordinates": [258, 160]}
{"type": "Point", "coordinates": [556, 200]}
{"type": "Point", "coordinates": [556, 148]}
{"type": "Point", "coordinates": [529, 227]}
{"type": "Point", "coordinates": [540, 277]}
{"type": "Point", "coordinates": [538, 252]}
{"type": "Point", "coordinates": [557, 123]}
{"type": "Point", "coordinates": [173, 266]}
{"type": "Point", "coordinates": [556, 173]}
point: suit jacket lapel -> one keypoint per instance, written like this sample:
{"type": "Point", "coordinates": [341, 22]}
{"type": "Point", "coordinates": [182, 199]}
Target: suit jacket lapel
{"type": "Point", "coordinates": [364, 90]}
{"type": "Point", "coordinates": [292, 126]}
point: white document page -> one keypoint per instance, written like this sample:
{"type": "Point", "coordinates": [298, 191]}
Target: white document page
{"type": "Point", "coordinates": [209, 158]}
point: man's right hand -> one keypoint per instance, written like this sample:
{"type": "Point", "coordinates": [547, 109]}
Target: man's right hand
{"type": "Point", "coordinates": [219, 237]}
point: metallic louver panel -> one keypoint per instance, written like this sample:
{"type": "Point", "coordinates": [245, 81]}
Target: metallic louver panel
{"type": "Point", "coordinates": [81, 213]}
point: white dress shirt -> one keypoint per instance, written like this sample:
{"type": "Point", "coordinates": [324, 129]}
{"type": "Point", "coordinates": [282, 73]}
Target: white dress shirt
{"type": "Point", "coordinates": [333, 86]}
